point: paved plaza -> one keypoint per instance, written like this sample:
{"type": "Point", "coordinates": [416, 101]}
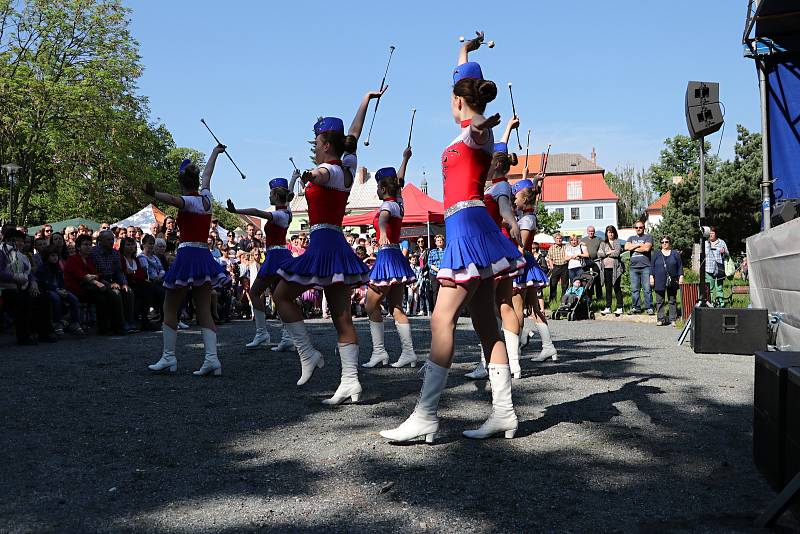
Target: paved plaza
{"type": "Point", "coordinates": [626, 433]}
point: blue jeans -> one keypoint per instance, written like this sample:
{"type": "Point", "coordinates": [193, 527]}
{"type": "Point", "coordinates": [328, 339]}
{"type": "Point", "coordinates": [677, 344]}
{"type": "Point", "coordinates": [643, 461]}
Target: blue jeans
{"type": "Point", "coordinates": [640, 279]}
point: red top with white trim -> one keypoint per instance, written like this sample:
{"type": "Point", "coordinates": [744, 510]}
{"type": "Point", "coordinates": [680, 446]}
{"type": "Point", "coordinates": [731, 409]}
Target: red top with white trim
{"type": "Point", "coordinates": [464, 166]}
{"type": "Point", "coordinates": [491, 198]}
{"type": "Point", "coordinates": [275, 230]}
{"type": "Point", "coordinates": [194, 219]}
{"type": "Point", "coordinates": [327, 203]}
{"type": "Point", "coordinates": [395, 211]}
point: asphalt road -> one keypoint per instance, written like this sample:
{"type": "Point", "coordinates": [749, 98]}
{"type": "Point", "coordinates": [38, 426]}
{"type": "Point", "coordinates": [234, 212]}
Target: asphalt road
{"type": "Point", "coordinates": [627, 433]}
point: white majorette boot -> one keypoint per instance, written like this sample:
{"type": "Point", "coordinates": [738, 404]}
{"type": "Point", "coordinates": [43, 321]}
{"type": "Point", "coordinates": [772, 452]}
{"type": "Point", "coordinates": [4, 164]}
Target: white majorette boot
{"type": "Point", "coordinates": [408, 356]}
{"type": "Point", "coordinates": [548, 349]}
{"type": "Point", "coordinates": [423, 420]}
{"type": "Point", "coordinates": [503, 419]}
{"type": "Point", "coordinates": [285, 344]}
{"type": "Point", "coordinates": [349, 385]}
{"type": "Point", "coordinates": [310, 358]}
{"type": "Point", "coordinates": [512, 348]}
{"type": "Point", "coordinates": [262, 334]}
{"type": "Point", "coordinates": [479, 373]}
{"type": "Point", "coordinates": [168, 361]}
{"type": "Point", "coordinates": [379, 354]}
{"type": "Point", "coordinates": [211, 365]}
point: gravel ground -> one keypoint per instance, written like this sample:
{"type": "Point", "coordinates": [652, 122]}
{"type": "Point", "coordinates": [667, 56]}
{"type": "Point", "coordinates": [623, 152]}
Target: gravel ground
{"type": "Point", "coordinates": [627, 433]}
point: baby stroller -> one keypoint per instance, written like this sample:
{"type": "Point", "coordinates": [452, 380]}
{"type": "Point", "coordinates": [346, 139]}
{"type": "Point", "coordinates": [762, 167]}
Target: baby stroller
{"type": "Point", "coordinates": [576, 307]}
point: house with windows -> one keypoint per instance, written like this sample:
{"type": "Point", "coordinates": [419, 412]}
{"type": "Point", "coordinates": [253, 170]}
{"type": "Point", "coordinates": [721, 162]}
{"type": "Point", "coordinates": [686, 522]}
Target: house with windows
{"type": "Point", "coordinates": [574, 186]}
{"type": "Point", "coordinates": [655, 211]}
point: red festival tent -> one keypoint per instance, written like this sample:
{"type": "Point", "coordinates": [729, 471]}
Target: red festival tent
{"type": "Point", "coordinates": [419, 209]}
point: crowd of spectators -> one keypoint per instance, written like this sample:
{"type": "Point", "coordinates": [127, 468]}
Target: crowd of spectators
{"type": "Point", "coordinates": [110, 280]}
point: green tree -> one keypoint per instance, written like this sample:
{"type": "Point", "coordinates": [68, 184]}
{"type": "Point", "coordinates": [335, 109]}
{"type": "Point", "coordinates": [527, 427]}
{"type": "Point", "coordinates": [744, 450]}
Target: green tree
{"type": "Point", "coordinates": [548, 221]}
{"type": "Point", "coordinates": [679, 157]}
{"type": "Point", "coordinates": [732, 199]}
{"type": "Point", "coordinates": [634, 193]}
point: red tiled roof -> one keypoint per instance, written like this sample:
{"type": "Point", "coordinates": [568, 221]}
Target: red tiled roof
{"type": "Point", "coordinates": [593, 187]}
{"type": "Point", "coordinates": [660, 203]}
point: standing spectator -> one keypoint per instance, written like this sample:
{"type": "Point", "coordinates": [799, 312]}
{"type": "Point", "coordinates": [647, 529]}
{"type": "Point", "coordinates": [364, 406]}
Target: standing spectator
{"type": "Point", "coordinates": [31, 309]}
{"type": "Point", "coordinates": [434, 263]}
{"type": "Point", "coordinates": [575, 253]}
{"type": "Point", "coordinates": [609, 253]}
{"type": "Point", "coordinates": [84, 230]}
{"type": "Point", "coordinates": [424, 307]}
{"type": "Point", "coordinates": [412, 290]}
{"type": "Point", "coordinates": [104, 226]}
{"type": "Point", "coordinates": [82, 279]}
{"type": "Point", "coordinates": [61, 247]}
{"type": "Point", "coordinates": [51, 283]}
{"type": "Point", "coordinates": [640, 247]}
{"type": "Point", "coordinates": [160, 251]}
{"type": "Point", "coordinates": [557, 265]}
{"type": "Point", "coordinates": [667, 274]}
{"type": "Point", "coordinates": [716, 252]}
{"type": "Point", "coordinates": [170, 234]}
{"type": "Point", "coordinates": [246, 242]}
{"type": "Point", "coordinates": [592, 243]}
{"type": "Point", "coordinates": [231, 244]}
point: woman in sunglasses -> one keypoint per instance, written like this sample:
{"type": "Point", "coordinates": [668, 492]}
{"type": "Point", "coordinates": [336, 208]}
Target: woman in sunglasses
{"type": "Point", "coordinates": [666, 270]}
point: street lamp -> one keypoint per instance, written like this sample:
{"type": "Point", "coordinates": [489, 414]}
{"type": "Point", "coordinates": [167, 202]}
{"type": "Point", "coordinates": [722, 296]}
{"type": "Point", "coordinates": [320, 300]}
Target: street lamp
{"type": "Point", "coordinates": [11, 169]}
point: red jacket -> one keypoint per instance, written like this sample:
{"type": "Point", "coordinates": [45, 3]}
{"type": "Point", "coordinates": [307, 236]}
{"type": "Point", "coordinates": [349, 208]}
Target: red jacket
{"type": "Point", "coordinates": [136, 276]}
{"type": "Point", "coordinates": [75, 271]}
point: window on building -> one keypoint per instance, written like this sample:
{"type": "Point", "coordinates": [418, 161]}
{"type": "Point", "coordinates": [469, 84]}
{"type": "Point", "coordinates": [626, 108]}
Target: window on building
{"type": "Point", "coordinates": [598, 212]}
{"type": "Point", "coordinates": [575, 214]}
{"type": "Point", "coordinates": [574, 190]}
{"type": "Point", "coordinates": [560, 211]}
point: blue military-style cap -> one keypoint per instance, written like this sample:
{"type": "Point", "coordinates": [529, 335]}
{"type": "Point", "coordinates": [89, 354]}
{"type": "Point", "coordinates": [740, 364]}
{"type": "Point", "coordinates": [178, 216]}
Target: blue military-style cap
{"type": "Point", "coordinates": [500, 147]}
{"type": "Point", "coordinates": [522, 184]}
{"type": "Point", "coordinates": [328, 124]}
{"type": "Point", "coordinates": [279, 182]}
{"type": "Point", "coordinates": [470, 69]}
{"type": "Point", "coordinates": [185, 163]}
{"type": "Point", "coordinates": [384, 173]}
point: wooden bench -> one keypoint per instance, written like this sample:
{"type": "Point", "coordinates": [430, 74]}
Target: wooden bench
{"type": "Point", "coordinates": [741, 290]}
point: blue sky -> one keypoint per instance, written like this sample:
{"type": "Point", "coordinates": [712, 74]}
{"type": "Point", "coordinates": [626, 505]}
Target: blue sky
{"type": "Point", "coordinates": [609, 75]}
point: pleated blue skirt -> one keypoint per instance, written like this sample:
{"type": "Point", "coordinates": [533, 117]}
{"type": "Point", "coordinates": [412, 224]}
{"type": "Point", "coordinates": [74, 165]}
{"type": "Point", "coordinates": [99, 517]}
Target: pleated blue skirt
{"type": "Point", "coordinates": [194, 266]}
{"type": "Point", "coordinates": [532, 276]}
{"type": "Point", "coordinates": [476, 248]}
{"type": "Point", "coordinates": [273, 261]}
{"type": "Point", "coordinates": [391, 268]}
{"type": "Point", "coordinates": [328, 260]}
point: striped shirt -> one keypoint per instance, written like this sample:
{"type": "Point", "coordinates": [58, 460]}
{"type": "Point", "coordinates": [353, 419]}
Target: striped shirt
{"type": "Point", "coordinates": [435, 258]}
{"type": "Point", "coordinates": [557, 254]}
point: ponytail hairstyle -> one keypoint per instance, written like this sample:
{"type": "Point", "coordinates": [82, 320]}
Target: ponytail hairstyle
{"type": "Point", "coordinates": [477, 93]}
{"type": "Point", "coordinates": [189, 176]}
{"type": "Point", "coordinates": [350, 144]}
{"type": "Point", "coordinates": [390, 185]}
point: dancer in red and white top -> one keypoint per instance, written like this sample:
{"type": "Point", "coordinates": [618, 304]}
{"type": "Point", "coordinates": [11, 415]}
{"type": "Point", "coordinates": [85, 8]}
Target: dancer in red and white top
{"type": "Point", "coordinates": [329, 262]}
{"type": "Point", "coordinates": [476, 252]}
{"type": "Point", "coordinates": [276, 253]}
{"type": "Point", "coordinates": [193, 266]}
{"type": "Point", "coordinates": [391, 272]}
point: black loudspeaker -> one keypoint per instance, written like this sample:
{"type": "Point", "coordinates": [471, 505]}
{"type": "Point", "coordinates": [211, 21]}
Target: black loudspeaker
{"type": "Point", "coordinates": [785, 210]}
{"type": "Point", "coordinates": [703, 113]}
{"type": "Point", "coordinates": [769, 414]}
{"type": "Point", "coordinates": [792, 440]}
{"type": "Point", "coordinates": [729, 330]}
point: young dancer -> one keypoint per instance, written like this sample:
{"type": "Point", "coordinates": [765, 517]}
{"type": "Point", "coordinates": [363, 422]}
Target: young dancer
{"type": "Point", "coordinates": [193, 266]}
{"type": "Point", "coordinates": [280, 194]}
{"type": "Point", "coordinates": [528, 286]}
{"type": "Point", "coordinates": [498, 201]}
{"type": "Point", "coordinates": [329, 261]}
{"type": "Point", "coordinates": [476, 252]}
{"type": "Point", "coordinates": [391, 272]}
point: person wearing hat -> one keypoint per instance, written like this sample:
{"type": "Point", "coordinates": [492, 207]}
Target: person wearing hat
{"type": "Point", "coordinates": [391, 272]}
{"type": "Point", "coordinates": [476, 253]}
{"type": "Point", "coordinates": [193, 265]}
{"type": "Point", "coordinates": [276, 253]}
{"type": "Point", "coordinates": [329, 262]}
{"type": "Point", "coordinates": [528, 286]}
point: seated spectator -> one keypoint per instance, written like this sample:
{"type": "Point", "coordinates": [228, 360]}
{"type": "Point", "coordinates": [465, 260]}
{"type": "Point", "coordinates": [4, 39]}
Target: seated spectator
{"type": "Point", "coordinates": [155, 230]}
{"type": "Point", "coordinates": [160, 250]}
{"type": "Point", "coordinates": [137, 305]}
{"type": "Point", "coordinates": [20, 291]}
{"type": "Point", "coordinates": [40, 244]}
{"type": "Point", "coordinates": [109, 268]}
{"type": "Point", "coordinates": [84, 230]}
{"type": "Point", "coordinates": [50, 277]}
{"type": "Point", "coordinates": [58, 241]}
{"type": "Point", "coordinates": [82, 279]}
{"type": "Point", "coordinates": [573, 294]}
{"type": "Point", "coordinates": [47, 232]}
{"type": "Point", "coordinates": [155, 272]}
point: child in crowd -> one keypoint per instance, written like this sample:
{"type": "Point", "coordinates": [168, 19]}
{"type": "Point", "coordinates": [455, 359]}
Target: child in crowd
{"type": "Point", "coordinates": [50, 277]}
{"type": "Point", "coordinates": [573, 294]}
